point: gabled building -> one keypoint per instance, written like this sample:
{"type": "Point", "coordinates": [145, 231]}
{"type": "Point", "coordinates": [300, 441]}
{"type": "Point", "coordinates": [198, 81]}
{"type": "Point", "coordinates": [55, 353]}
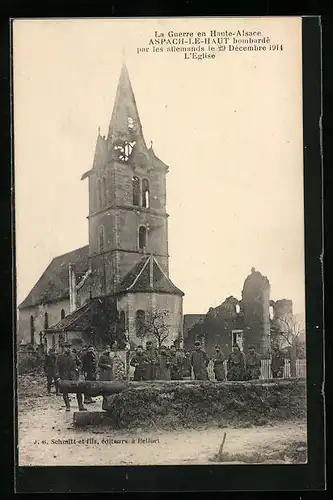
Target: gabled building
{"type": "Point", "coordinates": [126, 263]}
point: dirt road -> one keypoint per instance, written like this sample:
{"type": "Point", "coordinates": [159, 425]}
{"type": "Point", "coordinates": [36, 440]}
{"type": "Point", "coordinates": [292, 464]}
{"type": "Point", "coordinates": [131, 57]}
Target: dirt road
{"type": "Point", "coordinates": [47, 437]}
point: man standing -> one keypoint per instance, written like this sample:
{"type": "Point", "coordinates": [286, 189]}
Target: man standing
{"type": "Point", "coordinates": [89, 367]}
{"type": "Point", "coordinates": [236, 364]}
{"type": "Point", "coordinates": [105, 365]}
{"type": "Point", "coordinates": [50, 370]}
{"type": "Point", "coordinates": [152, 358]}
{"type": "Point", "coordinates": [187, 368]}
{"type": "Point", "coordinates": [163, 369]}
{"type": "Point", "coordinates": [277, 363]}
{"type": "Point", "coordinates": [253, 364]}
{"type": "Point", "coordinates": [67, 369]}
{"type": "Point", "coordinates": [140, 362]}
{"type": "Point", "coordinates": [175, 364]}
{"type": "Point", "coordinates": [199, 362]}
{"type": "Point", "coordinates": [218, 361]}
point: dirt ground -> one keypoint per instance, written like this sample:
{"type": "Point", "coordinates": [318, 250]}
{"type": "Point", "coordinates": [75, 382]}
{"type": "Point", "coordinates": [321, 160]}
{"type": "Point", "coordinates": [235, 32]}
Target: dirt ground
{"type": "Point", "coordinates": [47, 437]}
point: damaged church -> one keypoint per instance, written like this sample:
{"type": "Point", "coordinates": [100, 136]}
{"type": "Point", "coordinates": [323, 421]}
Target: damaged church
{"type": "Point", "coordinates": [103, 291]}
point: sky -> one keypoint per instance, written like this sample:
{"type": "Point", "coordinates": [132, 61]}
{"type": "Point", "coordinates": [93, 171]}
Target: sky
{"type": "Point", "coordinates": [230, 129]}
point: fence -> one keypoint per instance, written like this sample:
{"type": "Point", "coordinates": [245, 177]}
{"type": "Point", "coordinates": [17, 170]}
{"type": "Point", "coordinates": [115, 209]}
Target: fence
{"type": "Point", "coordinates": [266, 372]}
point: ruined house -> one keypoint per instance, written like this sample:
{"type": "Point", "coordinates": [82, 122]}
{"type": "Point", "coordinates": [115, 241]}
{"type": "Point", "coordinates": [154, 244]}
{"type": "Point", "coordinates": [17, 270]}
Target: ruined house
{"type": "Point", "coordinates": [243, 322]}
{"type": "Point", "coordinates": [106, 287]}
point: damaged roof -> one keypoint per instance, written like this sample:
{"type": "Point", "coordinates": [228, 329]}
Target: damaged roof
{"type": "Point", "coordinates": [148, 276]}
{"type": "Point", "coordinates": [87, 317]}
{"type": "Point", "coordinates": [53, 284]}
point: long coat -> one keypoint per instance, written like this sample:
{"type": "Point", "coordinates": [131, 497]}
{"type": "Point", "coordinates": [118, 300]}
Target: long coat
{"type": "Point", "coordinates": [140, 361]}
{"type": "Point", "coordinates": [89, 365]}
{"type": "Point", "coordinates": [218, 361]}
{"type": "Point", "coordinates": [253, 366]}
{"type": "Point", "coordinates": [199, 361]}
{"type": "Point", "coordinates": [105, 365]}
{"type": "Point", "coordinates": [152, 363]}
{"type": "Point", "coordinates": [118, 368]}
{"type": "Point", "coordinates": [67, 366]}
{"type": "Point", "coordinates": [163, 368]}
{"type": "Point", "coordinates": [187, 368]}
{"type": "Point", "coordinates": [50, 363]}
{"type": "Point", "coordinates": [277, 364]}
{"type": "Point", "coordinates": [236, 366]}
{"type": "Point", "coordinates": [176, 363]}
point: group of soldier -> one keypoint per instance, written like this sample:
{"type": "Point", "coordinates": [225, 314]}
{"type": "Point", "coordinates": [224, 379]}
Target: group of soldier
{"type": "Point", "coordinates": [173, 364]}
{"type": "Point", "coordinates": [151, 364]}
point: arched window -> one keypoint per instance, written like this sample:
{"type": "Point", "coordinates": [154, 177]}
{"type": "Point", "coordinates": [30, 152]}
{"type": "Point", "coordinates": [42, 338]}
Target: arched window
{"type": "Point", "coordinates": [271, 312]}
{"type": "Point", "coordinates": [142, 237]}
{"type": "Point", "coordinates": [101, 238]}
{"type": "Point", "coordinates": [53, 341]}
{"type": "Point", "coordinates": [104, 192]}
{"type": "Point", "coordinates": [62, 314]}
{"type": "Point", "coordinates": [99, 194]}
{"type": "Point", "coordinates": [145, 193]}
{"type": "Point", "coordinates": [136, 191]}
{"type": "Point", "coordinates": [122, 321]}
{"type": "Point", "coordinates": [46, 321]}
{"type": "Point", "coordinates": [237, 308]}
{"type": "Point", "coordinates": [32, 330]}
{"type": "Point", "coordinates": [140, 323]}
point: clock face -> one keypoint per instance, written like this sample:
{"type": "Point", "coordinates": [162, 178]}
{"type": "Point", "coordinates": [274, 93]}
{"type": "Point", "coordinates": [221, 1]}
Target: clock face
{"type": "Point", "coordinates": [125, 150]}
{"type": "Point", "coordinates": [130, 124]}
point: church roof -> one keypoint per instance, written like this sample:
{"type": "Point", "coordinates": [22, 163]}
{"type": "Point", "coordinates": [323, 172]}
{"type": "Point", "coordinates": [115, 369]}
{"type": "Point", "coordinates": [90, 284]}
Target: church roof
{"type": "Point", "coordinates": [148, 276]}
{"type": "Point", "coordinates": [53, 284]}
{"type": "Point", "coordinates": [88, 316]}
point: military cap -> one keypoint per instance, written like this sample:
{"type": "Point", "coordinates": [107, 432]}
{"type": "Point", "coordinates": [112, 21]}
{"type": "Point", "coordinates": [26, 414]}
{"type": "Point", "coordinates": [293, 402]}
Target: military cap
{"type": "Point", "coordinates": [251, 346]}
{"type": "Point", "coordinates": [149, 342]}
{"type": "Point", "coordinates": [217, 346]}
{"type": "Point", "coordinates": [67, 344]}
{"type": "Point", "coordinates": [197, 342]}
{"type": "Point", "coordinates": [139, 346]}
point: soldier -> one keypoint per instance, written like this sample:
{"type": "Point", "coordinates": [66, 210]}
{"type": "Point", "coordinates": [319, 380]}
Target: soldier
{"type": "Point", "coordinates": [105, 365]}
{"type": "Point", "coordinates": [277, 363]}
{"type": "Point", "coordinates": [253, 364]}
{"type": "Point", "coordinates": [175, 364]}
{"type": "Point", "coordinates": [236, 364]}
{"type": "Point", "coordinates": [89, 367]}
{"type": "Point", "coordinates": [152, 358]}
{"type": "Point", "coordinates": [187, 368]}
{"type": "Point", "coordinates": [50, 370]}
{"type": "Point", "coordinates": [140, 362]}
{"type": "Point", "coordinates": [163, 368]}
{"type": "Point", "coordinates": [218, 361]}
{"type": "Point", "coordinates": [199, 361]}
{"type": "Point", "coordinates": [67, 369]}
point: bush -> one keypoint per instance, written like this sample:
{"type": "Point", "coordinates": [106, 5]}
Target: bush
{"type": "Point", "coordinates": [173, 404]}
{"type": "Point", "coordinates": [30, 361]}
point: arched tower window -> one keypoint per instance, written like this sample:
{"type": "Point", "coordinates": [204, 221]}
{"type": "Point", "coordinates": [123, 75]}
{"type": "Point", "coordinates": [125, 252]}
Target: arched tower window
{"type": "Point", "coordinates": [142, 237]}
{"type": "Point", "coordinates": [101, 238]}
{"type": "Point", "coordinates": [53, 341]}
{"type": "Point", "coordinates": [46, 321]}
{"type": "Point", "coordinates": [237, 308]}
{"type": "Point", "coordinates": [99, 194]}
{"type": "Point", "coordinates": [145, 193]}
{"type": "Point", "coordinates": [140, 323]}
{"type": "Point", "coordinates": [32, 330]}
{"type": "Point", "coordinates": [136, 191]}
{"type": "Point", "coordinates": [62, 314]}
{"type": "Point", "coordinates": [104, 192]}
{"type": "Point", "coordinates": [271, 312]}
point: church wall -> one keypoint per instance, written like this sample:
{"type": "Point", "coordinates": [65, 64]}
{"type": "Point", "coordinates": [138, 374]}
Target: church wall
{"type": "Point", "coordinates": [53, 311]}
{"type": "Point", "coordinates": [131, 303]}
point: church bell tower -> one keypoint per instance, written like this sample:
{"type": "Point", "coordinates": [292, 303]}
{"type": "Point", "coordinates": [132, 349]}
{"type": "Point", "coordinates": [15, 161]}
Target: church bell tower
{"type": "Point", "coordinates": [127, 197]}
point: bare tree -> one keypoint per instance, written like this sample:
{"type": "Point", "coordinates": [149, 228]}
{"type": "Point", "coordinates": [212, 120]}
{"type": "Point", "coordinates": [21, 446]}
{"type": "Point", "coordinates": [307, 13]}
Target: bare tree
{"type": "Point", "coordinates": [288, 331]}
{"type": "Point", "coordinates": [157, 325]}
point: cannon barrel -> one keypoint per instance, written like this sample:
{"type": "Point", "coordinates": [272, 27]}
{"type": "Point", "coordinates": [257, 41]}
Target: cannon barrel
{"type": "Point", "coordinates": [93, 388]}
